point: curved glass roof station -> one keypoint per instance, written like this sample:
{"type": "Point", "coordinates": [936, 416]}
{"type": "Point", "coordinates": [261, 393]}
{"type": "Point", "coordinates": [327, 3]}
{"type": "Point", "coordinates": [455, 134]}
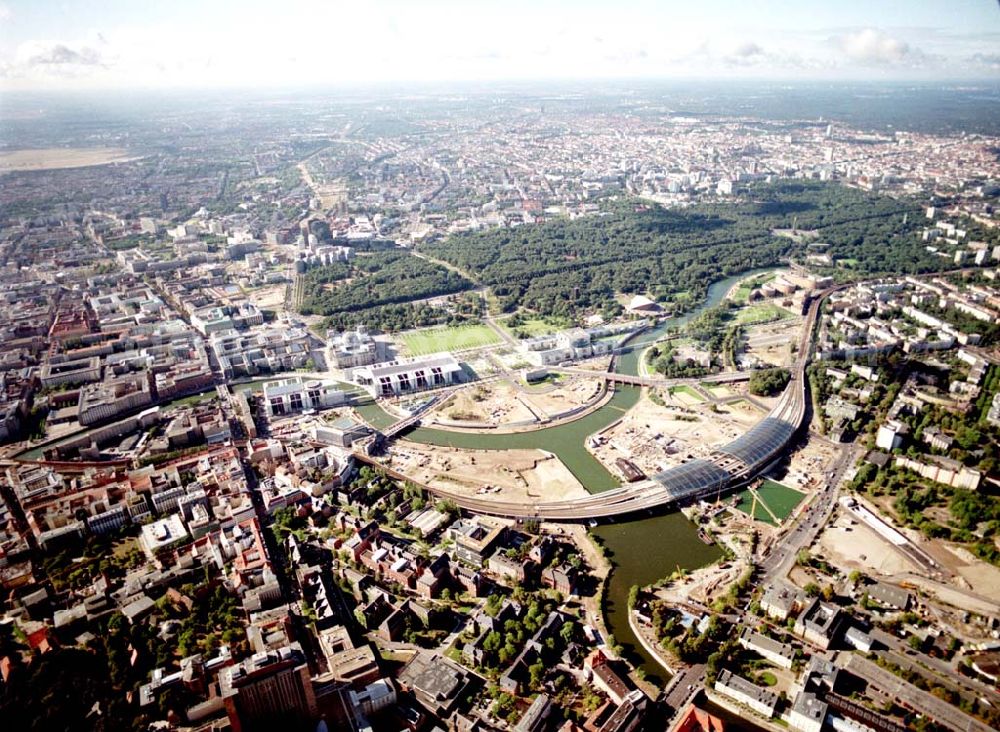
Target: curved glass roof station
{"type": "Point", "coordinates": [691, 478]}
{"type": "Point", "coordinates": [760, 442]}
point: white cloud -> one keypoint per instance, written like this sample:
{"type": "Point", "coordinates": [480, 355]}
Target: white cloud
{"type": "Point", "coordinates": [747, 50]}
{"type": "Point", "coordinates": [987, 60]}
{"type": "Point", "coordinates": [873, 47]}
{"type": "Point", "coordinates": [56, 53]}
{"type": "Point", "coordinates": [747, 53]}
{"type": "Point", "coordinates": [5, 13]}
{"type": "Point", "coordinates": [276, 46]}
{"type": "Point", "coordinates": [52, 60]}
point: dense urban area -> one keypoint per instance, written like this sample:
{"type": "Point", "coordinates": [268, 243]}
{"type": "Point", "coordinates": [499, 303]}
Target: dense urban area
{"type": "Point", "coordinates": [497, 412]}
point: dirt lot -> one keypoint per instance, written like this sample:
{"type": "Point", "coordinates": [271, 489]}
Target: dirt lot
{"type": "Point", "coordinates": [567, 395]}
{"type": "Point", "coordinates": [958, 598]}
{"type": "Point", "coordinates": [807, 466]}
{"type": "Point", "coordinates": [655, 437]}
{"type": "Point", "coordinates": [862, 548]}
{"type": "Point", "coordinates": [982, 578]}
{"type": "Point", "coordinates": [268, 298]}
{"type": "Point", "coordinates": [703, 585]}
{"type": "Point", "coordinates": [849, 543]}
{"type": "Point", "coordinates": [970, 572]}
{"type": "Point", "coordinates": [519, 474]}
{"type": "Point", "coordinates": [771, 342]}
{"type": "Point", "coordinates": [494, 403]}
{"type": "Point", "coordinates": [502, 403]}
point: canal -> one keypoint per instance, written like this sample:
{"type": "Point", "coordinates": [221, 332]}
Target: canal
{"type": "Point", "coordinates": [642, 551]}
{"type": "Point", "coordinates": [566, 440]}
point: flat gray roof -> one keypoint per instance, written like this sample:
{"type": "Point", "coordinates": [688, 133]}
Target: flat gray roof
{"type": "Point", "coordinates": [444, 361]}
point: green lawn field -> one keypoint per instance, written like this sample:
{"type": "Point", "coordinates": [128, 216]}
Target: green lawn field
{"type": "Point", "coordinates": [687, 391]}
{"type": "Point", "coordinates": [448, 338]}
{"type": "Point", "coordinates": [529, 327]}
{"type": "Point", "coordinates": [781, 499]}
{"type": "Point", "coordinates": [761, 313]}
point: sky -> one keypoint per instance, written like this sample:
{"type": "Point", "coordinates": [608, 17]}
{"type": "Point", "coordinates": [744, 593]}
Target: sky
{"type": "Point", "coordinates": [137, 44]}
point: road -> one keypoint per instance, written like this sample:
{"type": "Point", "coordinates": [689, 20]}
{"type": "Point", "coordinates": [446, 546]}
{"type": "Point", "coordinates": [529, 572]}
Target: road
{"type": "Point", "coordinates": [728, 377]}
{"type": "Point", "coordinates": [947, 671]}
{"type": "Point", "coordinates": [908, 695]}
{"type": "Point", "coordinates": [684, 686]}
{"type": "Point", "coordinates": [790, 411]}
{"type": "Point", "coordinates": [810, 522]}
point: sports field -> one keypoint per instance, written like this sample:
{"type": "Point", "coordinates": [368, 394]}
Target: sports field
{"type": "Point", "coordinates": [448, 338]}
{"type": "Point", "coordinates": [781, 499]}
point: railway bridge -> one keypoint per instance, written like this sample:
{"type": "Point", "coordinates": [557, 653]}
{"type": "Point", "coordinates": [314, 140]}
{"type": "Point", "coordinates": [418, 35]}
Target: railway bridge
{"type": "Point", "coordinates": [732, 464]}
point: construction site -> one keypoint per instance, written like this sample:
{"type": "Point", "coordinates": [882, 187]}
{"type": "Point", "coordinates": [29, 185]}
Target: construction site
{"type": "Point", "coordinates": [671, 425]}
{"type": "Point", "coordinates": [506, 475]}
{"type": "Point", "coordinates": [512, 404]}
{"type": "Point", "coordinates": [938, 567]}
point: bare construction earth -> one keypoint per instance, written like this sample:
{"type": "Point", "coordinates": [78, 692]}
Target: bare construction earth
{"type": "Point", "coordinates": [54, 158]}
{"type": "Point", "coordinates": [771, 342]}
{"type": "Point", "coordinates": [502, 403]}
{"type": "Point", "coordinates": [268, 298]}
{"type": "Point", "coordinates": [569, 395]}
{"type": "Point", "coordinates": [808, 465]}
{"type": "Point", "coordinates": [856, 546]}
{"type": "Point", "coordinates": [520, 475]}
{"type": "Point", "coordinates": [496, 404]}
{"type": "Point", "coordinates": [654, 437]}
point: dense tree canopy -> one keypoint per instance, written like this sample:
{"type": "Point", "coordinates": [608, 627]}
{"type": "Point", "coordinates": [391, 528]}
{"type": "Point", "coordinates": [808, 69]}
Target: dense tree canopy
{"type": "Point", "coordinates": [566, 266]}
{"type": "Point", "coordinates": [381, 278]}
{"type": "Point", "coordinates": [768, 382]}
{"type": "Point", "coordinates": [379, 290]}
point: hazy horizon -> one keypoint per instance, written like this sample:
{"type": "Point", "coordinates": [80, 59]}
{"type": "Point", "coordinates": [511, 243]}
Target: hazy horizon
{"type": "Point", "coordinates": [124, 46]}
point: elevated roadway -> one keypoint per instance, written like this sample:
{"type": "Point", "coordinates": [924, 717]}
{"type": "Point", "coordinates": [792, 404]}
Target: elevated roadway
{"type": "Point", "coordinates": [735, 463]}
{"type": "Point", "coordinates": [613, 377]}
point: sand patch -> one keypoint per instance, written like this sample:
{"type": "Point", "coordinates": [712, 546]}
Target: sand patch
{"type": "Point", "coordinates": [55, 158]}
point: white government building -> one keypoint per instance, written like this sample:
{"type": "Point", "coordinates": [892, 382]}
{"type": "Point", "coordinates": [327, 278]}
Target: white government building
{"type": "Point", "coordinates": [408, 375]}
{"type": "Point", "coordinates": [353, 348]}
{"type": "Point", "coordinates": [287, 396]}
{"type": "Point", "coordinates": [576, 343]}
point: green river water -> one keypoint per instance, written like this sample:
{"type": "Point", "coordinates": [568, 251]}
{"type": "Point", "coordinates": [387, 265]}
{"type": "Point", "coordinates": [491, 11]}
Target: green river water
{"type": "Point", "coordinates": [643, 550]}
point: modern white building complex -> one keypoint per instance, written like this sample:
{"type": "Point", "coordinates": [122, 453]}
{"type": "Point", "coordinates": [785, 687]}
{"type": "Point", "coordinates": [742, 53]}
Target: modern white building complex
{"type": "Point", "coordinates": [274, 348]}
{"type": "Point", "coordinates": [576, 343]}
{"type": "Point", "coordinates": [568, 345]}
{"type": "Point", "coordinates": [407, 375]}
{"type": "Point", "coordinates": [287, 396]}
{"type": "Point", "coordinates": [219, 318]}
{"type": "Point", "coordinates": [353, 348]}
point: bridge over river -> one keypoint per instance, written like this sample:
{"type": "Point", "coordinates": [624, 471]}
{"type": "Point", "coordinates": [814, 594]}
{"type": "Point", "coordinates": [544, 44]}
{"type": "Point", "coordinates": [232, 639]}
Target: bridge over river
{"type": "Point", "coordinates": [614, 377]}
{"type": "Point", "coordinates": [734, 463]}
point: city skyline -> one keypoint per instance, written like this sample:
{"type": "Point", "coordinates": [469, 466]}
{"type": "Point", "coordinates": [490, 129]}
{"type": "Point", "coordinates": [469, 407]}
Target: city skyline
{"type": "Point", "coordinates": [73, 45]}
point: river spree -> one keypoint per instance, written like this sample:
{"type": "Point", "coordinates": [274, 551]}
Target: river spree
{"type": "Point", "coordinates": [642, 551]}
